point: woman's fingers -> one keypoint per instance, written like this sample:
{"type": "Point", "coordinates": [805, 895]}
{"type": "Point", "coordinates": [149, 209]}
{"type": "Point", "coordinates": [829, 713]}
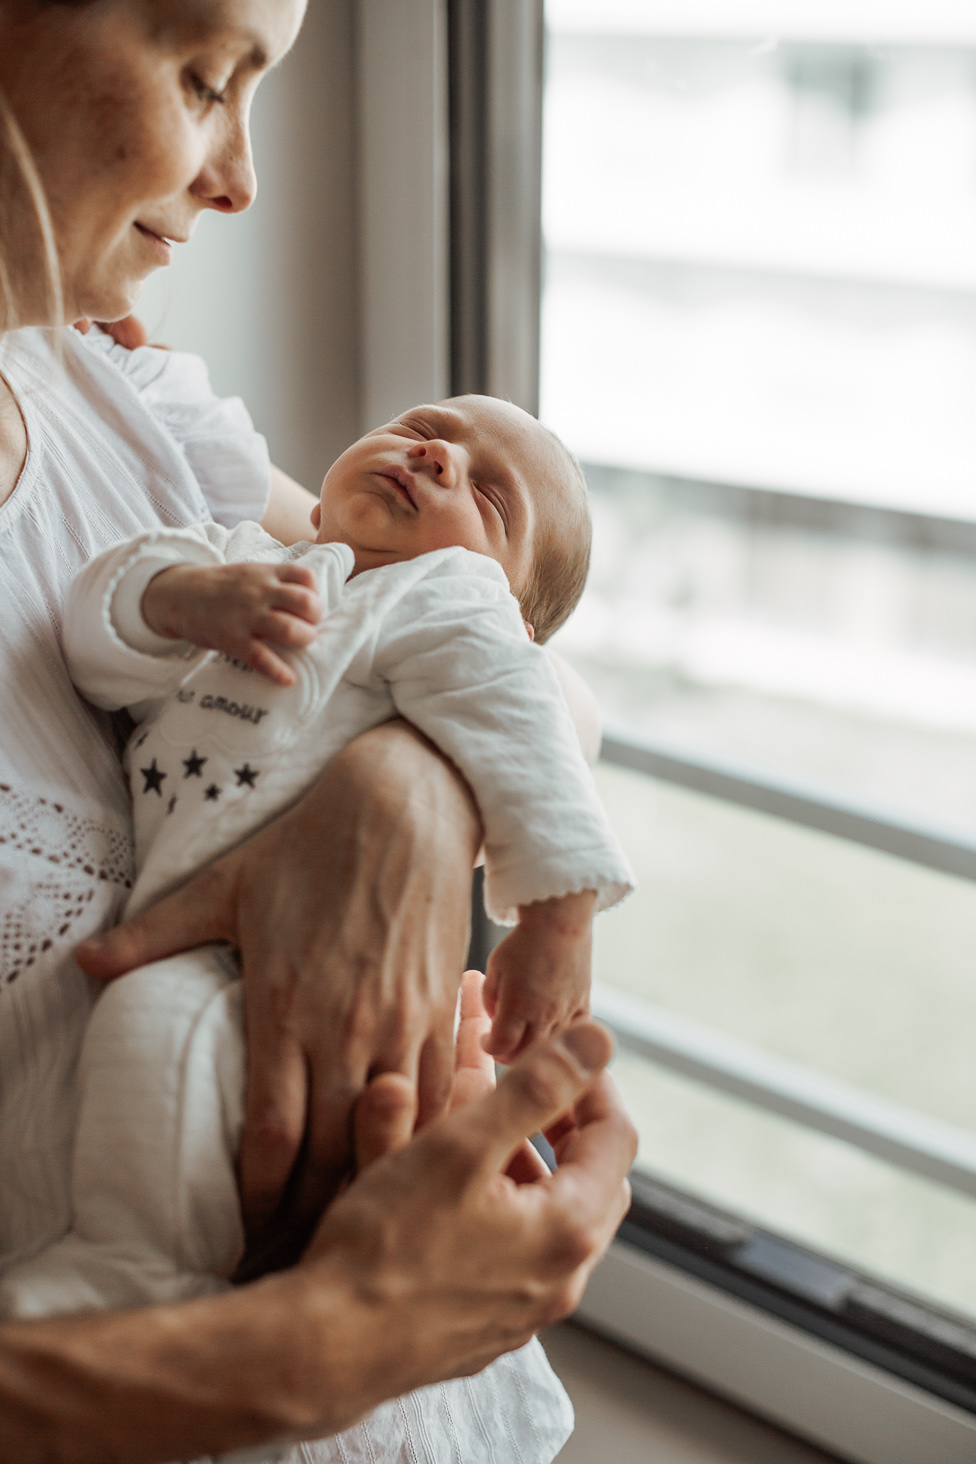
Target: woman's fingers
{"type": "Point", "coordinates": [474, 1071]}
{"type": "Point", "coordinates": [129, 331]}
{"type": "Point", "coordinates": [384, 1119]}
{"type": "Point", "coordinates": [435, 1072]}
{"type": "Point", "coordinates": [199, 913]}
{"type": "Point", "coordinates": [488, 1261]}
{"type": "Point", "coordinates": [545, 1083]}
{"type": "Point", "coordinates": [276, 1102]}
{"type": "Point", "coordinates": [601, 1144]}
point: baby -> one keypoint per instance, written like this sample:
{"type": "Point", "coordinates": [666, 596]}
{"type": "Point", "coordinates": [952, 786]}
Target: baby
{"type": "Point", "coordinates": [445, 541]}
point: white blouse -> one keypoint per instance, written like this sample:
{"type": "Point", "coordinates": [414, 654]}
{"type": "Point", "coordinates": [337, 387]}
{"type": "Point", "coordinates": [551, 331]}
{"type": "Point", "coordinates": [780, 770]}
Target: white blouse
{"type": "Point", "coordinates": [118, 442]}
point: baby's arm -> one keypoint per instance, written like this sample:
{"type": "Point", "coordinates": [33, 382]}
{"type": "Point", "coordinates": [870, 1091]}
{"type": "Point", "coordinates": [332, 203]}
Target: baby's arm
{"type": "Point", "coordinates": [243, 610]}
{"type": "Point", "coordinates": [539, 975]}
{"type": "Point", "coordinates": [460, 667]}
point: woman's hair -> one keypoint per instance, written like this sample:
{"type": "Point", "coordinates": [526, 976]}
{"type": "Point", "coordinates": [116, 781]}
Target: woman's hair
{"type": "Point", "coordinates": [28, 252]}
{"type": "Point", "coordinates": [29, 268]}
{"type": "Point", "coordinates": [561, 557]}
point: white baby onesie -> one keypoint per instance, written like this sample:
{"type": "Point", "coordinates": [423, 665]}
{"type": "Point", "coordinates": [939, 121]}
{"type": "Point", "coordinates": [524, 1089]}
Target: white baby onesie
{"type": "Point", "coordinates": [219, 750]}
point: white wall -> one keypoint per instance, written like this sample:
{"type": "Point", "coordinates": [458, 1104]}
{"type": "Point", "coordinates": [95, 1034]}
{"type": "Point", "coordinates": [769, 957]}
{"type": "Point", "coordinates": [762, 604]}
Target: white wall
{"type": "Point", "coordinates": [270, 299]}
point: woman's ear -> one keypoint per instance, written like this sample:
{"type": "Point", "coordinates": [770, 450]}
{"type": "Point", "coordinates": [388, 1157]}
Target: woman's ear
{"type": "Point", "coordinates": [529, 630]}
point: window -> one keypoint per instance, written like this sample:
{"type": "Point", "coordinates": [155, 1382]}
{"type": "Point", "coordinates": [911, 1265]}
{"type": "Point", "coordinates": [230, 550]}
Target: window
{"type": "Point", "coordinates": [759, 333]}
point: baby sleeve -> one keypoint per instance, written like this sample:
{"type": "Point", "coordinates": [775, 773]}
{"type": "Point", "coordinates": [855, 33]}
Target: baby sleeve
{"type": "Point", "coordinates": [460, 666]}
{"type": "Point", "coordinates": [227, 456]}
{"type": "Point", "coordinates": [111, 654]}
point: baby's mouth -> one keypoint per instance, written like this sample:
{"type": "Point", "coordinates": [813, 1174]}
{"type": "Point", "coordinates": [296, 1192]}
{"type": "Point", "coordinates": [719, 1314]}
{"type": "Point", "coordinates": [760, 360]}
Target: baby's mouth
{"type": "Point", "coordinates": [403, 481]}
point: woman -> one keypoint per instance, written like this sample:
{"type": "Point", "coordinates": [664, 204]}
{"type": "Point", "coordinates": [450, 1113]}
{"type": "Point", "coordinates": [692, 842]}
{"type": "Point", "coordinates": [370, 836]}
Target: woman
{"type": "Point", "coordinates": [122, 120]}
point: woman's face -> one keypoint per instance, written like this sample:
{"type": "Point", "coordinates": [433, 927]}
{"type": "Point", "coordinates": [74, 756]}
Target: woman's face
{"type": "Point", "coordinates": [136, 114]}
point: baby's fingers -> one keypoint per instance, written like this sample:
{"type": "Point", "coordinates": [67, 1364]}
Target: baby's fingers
{"type": "Point", "coordinates": [509, 1035]}
{"type": "Point", "coordinates": [260, 657]}
{"type": "Point", "coordinates": [296, 573]}
{"type": "Point", "coordinates": [283, 629]}
{"type": "Point", "coordinates": [300, 601]}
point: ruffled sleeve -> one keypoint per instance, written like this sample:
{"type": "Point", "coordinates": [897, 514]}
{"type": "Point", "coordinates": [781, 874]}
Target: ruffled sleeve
{"type": "Point", "coordinates": [227, 456]}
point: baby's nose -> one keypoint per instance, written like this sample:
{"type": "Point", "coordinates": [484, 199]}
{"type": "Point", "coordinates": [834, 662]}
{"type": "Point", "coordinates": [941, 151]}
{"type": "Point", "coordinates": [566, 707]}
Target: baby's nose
{"type": "Point", "coordinates": [440, 458]}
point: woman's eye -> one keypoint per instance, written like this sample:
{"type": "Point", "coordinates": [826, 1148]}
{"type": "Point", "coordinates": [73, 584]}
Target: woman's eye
{"type": "Point", "coordinates": [206, 93]}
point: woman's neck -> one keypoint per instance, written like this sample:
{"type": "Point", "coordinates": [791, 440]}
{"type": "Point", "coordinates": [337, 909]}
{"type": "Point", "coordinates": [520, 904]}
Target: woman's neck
{"type": "Point", "coordinates": [13, 441]}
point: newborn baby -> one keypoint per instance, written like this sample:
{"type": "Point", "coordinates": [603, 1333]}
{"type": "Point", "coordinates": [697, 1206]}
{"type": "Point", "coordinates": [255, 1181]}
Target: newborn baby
{"type": "Point", "coordinates": [445, 541]}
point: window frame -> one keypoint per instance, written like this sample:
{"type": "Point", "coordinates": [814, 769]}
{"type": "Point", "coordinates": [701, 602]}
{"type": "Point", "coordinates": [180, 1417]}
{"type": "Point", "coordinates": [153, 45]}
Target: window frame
{"type": "Point", "coordinates": [457, 139]}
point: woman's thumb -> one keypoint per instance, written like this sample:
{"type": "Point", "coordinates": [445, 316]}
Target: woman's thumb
{"type": "Point", "coordinates": [540, 1087]}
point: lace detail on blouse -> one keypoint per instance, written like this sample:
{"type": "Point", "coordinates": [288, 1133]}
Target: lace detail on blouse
{"type": "Point", "coordinates": [70, 855]}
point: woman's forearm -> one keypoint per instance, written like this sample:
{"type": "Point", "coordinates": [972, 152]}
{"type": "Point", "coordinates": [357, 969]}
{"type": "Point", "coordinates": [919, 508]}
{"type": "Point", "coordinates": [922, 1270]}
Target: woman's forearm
{"type": "Point", "coordinates": [271, 1361]}
{"type": "Point", "coordinates": [431, 1264]}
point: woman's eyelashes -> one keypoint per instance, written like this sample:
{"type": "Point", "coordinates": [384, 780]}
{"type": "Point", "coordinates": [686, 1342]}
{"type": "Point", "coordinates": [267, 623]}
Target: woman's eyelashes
{"type": "Point", "coordinates": [205, 93]}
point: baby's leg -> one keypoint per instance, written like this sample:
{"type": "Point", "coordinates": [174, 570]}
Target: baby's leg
{"type": "Point", "coordinates": [156, 1214]}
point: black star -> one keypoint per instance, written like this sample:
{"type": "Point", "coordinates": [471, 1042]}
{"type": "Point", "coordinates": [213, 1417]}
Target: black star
{"type": "Point", "coordinates": [154, 778]}
{"type": "Point", "coordinates": [194, 765]}
{"type": "Point", "coordinates": [171, 804]}
{"type": "Point", "coordinates": [246, 775]}
{"type": "Point", "coordinates": [212, 793]}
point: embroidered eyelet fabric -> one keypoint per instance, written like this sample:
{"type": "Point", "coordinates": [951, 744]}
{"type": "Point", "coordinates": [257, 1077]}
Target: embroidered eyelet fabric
{"type": "Point", "coordinates": [118, 442]}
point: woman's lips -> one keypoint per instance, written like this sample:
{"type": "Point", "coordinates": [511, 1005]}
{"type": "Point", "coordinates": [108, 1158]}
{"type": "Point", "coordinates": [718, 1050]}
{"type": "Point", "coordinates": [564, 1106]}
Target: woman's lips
{"type": "Point", "coordinates": [160, 246]}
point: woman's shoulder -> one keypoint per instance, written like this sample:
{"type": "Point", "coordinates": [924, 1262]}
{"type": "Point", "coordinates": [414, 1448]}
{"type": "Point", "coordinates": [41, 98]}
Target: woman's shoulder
{"type": "Point", "coordinates": [227, 456]}
{"type": "Point", "coordinates": [153, 372]}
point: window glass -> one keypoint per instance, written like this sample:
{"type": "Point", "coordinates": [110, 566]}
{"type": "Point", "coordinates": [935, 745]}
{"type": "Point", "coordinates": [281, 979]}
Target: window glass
{"type": "Point", "coordinates": [759, 334]}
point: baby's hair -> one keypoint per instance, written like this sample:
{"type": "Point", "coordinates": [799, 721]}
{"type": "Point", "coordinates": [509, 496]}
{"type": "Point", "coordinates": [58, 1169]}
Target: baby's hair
{"type": "Point", "coordinates": [562, 552]}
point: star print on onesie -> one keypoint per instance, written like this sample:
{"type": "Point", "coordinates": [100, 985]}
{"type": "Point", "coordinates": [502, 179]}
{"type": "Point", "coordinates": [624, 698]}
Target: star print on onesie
{"type": "Point", "coordinates": [154, 778]}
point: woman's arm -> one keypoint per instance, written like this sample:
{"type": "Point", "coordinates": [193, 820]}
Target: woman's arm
{"type": "Point", "coordinates": [432, 1263]}
{"type": "Point", "coordinates": [287, 517]}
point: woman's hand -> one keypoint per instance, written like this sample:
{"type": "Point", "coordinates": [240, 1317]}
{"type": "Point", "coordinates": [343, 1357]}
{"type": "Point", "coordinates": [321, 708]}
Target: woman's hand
{"type": "Point", "coordinates": [431, 1264]}
{"type": "Point", "coordinates": [386, 1111]}
{"type": "Point", "coordinates": [129, 331]}
{"type": "Point", "coordinates": [351, 915]}
{"type": "Point", "coordinates": [448, 1257]}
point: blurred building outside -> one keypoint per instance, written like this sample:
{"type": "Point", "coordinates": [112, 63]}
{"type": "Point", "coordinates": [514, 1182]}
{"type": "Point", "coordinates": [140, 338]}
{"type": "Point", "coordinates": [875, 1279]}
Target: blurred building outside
{"type": "Point", "coordinates": [759, 334]}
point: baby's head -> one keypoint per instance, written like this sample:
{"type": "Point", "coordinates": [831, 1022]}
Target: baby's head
{"type": "Point", "coordinates": [472, 471]}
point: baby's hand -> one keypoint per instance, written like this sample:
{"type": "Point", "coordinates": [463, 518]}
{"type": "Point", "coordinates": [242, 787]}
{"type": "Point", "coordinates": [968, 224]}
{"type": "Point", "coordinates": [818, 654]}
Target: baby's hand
{"type": "Point", "coordinates": [539, 976]}
{"type": "Point", "coordinates": [240, 609]}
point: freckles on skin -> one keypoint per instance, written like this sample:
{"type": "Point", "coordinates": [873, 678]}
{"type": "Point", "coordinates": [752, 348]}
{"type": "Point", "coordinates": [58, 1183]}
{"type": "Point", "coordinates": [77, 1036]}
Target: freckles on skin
{"type": "Point", "coordinates": [108, 98]}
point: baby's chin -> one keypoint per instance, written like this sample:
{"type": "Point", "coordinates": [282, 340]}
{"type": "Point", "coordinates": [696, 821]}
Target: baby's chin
{"type": "Point", "coordinates": [365, 557]}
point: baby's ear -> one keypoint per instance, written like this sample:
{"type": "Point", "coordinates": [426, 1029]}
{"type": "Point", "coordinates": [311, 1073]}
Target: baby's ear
{"type": "Point", "coordinates": [317, 515]}
{"type": "Point", "coordinates": [529, 630]}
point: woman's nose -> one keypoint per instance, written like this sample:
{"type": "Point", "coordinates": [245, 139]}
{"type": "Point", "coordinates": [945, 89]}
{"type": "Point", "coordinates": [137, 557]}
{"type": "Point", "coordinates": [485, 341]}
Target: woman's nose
{"type": "Point", "coordinates": [440, 459]}
{"type": "Point", "coordinates": [227, 181]}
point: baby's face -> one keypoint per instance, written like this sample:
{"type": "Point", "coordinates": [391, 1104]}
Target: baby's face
{"type": "Point", "coordinates": [472, 471]}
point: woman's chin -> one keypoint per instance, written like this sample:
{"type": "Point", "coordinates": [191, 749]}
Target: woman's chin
{"type": "Point", "coordinates": [105, 306]}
